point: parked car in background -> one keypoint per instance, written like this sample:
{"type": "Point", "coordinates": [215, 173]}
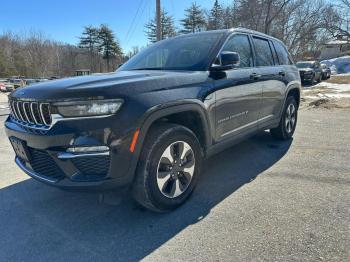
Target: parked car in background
{"type": "Point", "coordinates": [30, 81]}
{"type": "Point", "coordinates": [17, 82]}
{"type": "Point", "coordinates": [6, 86]}
{"type": "Point", "coordinates": [42, 79]}
{"type": "Point", "coordinates": [326, 72]}
{"type": "Point", "coordinates": [151, 124]}
{"type": "Point", "coordinates": [310, 71]}
{"type": "Point", "coordinates": [54, 77]}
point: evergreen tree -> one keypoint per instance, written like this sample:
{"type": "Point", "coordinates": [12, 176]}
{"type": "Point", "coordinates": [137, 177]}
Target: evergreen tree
{"type": "Point", "coordinates": [194, 20]}
{"type": "Point", "coordinates": [216, 17]}
{"type": "Point", "coordinates": [229, 18]}
{"type": "Point", "coordinates": [109, 47]}
{"type": "Point", "coordinates": [90, 40]}
{"type": "Point", "coordinates": [167, 27]}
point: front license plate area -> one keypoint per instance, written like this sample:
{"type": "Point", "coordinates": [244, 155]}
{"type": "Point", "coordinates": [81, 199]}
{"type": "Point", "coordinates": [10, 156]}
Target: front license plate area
{"type": "Point", "coordinates": [20, 148]}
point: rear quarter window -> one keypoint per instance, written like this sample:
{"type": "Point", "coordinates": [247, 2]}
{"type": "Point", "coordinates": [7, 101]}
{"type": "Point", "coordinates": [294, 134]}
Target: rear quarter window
{"type": "Point", "coordinates": [282, 53]}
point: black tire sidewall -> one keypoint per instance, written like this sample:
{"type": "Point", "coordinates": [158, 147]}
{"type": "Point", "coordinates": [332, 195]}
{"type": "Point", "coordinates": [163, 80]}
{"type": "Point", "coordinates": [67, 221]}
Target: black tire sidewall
{"type": "Point", "coordinates": [174, 134]}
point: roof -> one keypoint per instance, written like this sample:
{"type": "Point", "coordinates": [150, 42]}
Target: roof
{"type": "Point", "coordinates": [236, 29]}
{"type": "Point", "coordinates": [307, 61]}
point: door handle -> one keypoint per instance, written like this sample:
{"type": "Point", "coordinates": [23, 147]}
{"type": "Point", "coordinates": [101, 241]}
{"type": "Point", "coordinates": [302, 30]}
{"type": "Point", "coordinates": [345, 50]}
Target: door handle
{"type": "Point", "coordinates": [255, 76]}
{"type": "Point", "coordinates": [282, 73]}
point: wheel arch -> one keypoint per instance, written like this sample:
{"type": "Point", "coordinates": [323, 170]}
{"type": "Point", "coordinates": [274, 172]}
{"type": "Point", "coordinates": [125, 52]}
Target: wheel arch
{"type": "Point", "coordinates": [295, 92]}
{"type": "Point", "coordinates": [179, 113]}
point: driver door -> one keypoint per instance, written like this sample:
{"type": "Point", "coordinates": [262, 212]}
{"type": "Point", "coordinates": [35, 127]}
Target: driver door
{"type": "Point", "coordinates": [239, 93]}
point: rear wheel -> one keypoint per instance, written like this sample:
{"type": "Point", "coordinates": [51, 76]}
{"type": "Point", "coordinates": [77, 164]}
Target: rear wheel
{"type": "Point", "coordinates": [286, 127]}
{"type": "Point", "coordinates": [168, 167]}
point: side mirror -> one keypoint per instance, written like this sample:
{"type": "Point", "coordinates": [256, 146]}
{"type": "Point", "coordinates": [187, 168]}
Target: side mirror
{"type": "Point", "coordinates": [228, 59]}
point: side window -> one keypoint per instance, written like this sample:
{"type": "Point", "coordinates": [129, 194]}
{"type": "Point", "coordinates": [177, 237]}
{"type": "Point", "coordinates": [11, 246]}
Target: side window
{"type": "Point", "coordinates": [263, 52]}
{"type": "Point", "coordinates": [241, 45]}
{"type": "Point", "coordinates": [282, 53]}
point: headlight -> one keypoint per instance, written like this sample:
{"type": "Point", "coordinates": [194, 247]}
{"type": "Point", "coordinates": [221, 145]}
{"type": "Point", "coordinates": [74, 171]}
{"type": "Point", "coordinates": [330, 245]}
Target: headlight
{"type": "Point", "coordinates": [88, 108]}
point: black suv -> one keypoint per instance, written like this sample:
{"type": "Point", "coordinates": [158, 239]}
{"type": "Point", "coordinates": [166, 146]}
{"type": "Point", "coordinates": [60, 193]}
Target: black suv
{"type": "Point", "coordinates": [150, 124]}
{"type": "Point", "coordinates": [310, 71]}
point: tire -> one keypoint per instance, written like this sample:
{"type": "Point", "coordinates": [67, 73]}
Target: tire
{"type": "Point", "coordinates": [312, 81]}
{"type": "Point", "coordinates": [286, 127]}
{"type": "Point", "coordinates": [162, 183]}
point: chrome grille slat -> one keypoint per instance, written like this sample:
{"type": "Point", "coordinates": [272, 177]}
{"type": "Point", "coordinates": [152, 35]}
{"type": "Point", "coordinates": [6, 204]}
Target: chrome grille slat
{"type": "Point", "coordinates": [18, 106]}
{"type": "Point", "coordinates": [25, 117]}
{"type": "Point", "coordinates": [42, 113]}
{"type": "Point", "coordinates": [31, 114]}
{"type": "Point", "coordinates": [28, 113]}
{"type": "Point", "coordinates": [32, 110]}
{"type": "Point", "coordinates": [13, 109]}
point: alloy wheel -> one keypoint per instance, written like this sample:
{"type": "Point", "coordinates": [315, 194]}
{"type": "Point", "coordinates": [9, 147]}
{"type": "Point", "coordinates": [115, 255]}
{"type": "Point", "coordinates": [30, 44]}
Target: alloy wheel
{"type": "Point", "coordinates": [175, 169]}
{"type": "Point", "coordinates": [290, 118]}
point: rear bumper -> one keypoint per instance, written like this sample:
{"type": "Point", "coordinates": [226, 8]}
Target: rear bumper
{"type": "Point", "coordinates": [51, 164]}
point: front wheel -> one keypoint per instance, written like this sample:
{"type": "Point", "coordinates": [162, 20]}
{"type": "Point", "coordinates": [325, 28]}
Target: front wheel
{"type": "Point", "coordinates": [168, 167]}
{"type": "Point", "coordinates": [288, 122]}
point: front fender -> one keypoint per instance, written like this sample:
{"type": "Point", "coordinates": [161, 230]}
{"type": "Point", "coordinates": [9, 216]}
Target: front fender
{"type": "Point", "coordinates": [157, 112]}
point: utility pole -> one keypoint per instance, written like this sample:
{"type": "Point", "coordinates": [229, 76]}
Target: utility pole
{"type": "Point", "coordinates": [159, 31]}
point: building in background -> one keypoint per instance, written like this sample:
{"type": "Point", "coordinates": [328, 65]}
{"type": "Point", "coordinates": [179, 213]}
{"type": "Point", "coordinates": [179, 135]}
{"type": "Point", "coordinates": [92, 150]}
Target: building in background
{"type": "Point", "coordinates": [335, 48]}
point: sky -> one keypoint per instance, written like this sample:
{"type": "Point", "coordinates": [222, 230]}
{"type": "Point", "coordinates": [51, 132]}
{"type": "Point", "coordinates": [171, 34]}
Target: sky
{"type": "Point", "coordinates": [63, 20]}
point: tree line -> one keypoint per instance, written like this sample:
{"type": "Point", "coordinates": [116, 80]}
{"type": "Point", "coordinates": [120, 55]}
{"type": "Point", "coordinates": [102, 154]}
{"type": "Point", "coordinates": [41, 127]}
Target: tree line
{"type": "Point", "coordinates": [34, 55]}
{"type": "Point", "coordinates": [304, 25]}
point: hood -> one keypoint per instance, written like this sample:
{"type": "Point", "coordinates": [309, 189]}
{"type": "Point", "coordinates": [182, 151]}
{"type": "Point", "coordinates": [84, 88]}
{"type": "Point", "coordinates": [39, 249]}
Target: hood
{"type": "Point", "coordinates": [111, 85]}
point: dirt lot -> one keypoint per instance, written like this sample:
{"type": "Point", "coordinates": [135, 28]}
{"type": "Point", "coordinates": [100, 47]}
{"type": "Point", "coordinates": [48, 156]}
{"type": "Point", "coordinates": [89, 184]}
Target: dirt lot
{"type": "Point", "coordinates": [261, 200]}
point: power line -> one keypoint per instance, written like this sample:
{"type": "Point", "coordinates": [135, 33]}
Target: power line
{"type": "Point", "coordinates": [133, 20]}
{"type": "Point", "coordinates": [132, 31]}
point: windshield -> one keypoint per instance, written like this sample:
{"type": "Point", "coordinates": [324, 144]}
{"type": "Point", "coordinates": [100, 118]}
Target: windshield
{"type": "Point", "coordinates": [190, 52]}
{"type": "Point", "coordinates": [304, 65]}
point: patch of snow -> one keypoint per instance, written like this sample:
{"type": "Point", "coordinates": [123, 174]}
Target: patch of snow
{"type": "Point", "coordinates": [338, 65]}
{"type": "Point", "coordinates": [337, 42]}
{"type": "Point", "coordinates": [336, 91]}
{"type": "Point", "coordinates": [337, 87]}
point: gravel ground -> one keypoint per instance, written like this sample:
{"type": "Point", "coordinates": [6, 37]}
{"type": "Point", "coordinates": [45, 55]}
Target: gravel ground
{"type": "Point", "coordinates": [261, 200]}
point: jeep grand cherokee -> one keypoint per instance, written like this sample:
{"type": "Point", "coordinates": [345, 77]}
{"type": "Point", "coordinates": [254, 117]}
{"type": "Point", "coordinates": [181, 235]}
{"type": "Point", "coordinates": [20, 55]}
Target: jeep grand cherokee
{"type": "Point", "coordinates": [150, 124]}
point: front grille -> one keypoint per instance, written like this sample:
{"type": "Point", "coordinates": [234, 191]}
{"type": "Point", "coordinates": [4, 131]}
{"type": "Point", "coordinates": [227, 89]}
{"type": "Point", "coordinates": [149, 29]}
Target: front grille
{"type": "Point", "coordinates": [43, 164]}
{"type": "Point", "coordinates": [92, 166]}
{"type": "Point", "coordinates": [33, 114]}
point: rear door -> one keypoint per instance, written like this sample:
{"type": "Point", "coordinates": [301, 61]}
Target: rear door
{"type": "Point", "coordinates": [238, 93]}
{"type": "Point", "coordinates": [272, 79]}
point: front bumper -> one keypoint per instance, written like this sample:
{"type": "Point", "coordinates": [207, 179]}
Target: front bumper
{"type": "Point", "coordinates": [306, 77]}
{"type": "Point", "coordinates": [51, 164]}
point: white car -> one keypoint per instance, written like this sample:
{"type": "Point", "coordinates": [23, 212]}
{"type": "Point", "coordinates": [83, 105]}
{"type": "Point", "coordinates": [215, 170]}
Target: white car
{"type": "Point", "coordinates": [6, 86]}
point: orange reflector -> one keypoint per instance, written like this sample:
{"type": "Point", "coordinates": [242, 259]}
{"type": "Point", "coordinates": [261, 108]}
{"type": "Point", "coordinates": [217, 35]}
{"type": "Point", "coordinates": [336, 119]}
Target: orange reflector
{"type": "Point", "coordinates": [134, 140]}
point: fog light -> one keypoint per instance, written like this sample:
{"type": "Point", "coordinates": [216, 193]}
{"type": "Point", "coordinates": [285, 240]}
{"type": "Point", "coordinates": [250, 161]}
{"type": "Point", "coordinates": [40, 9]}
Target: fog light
{"type": "Point", "coordinates": [88, 149]}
